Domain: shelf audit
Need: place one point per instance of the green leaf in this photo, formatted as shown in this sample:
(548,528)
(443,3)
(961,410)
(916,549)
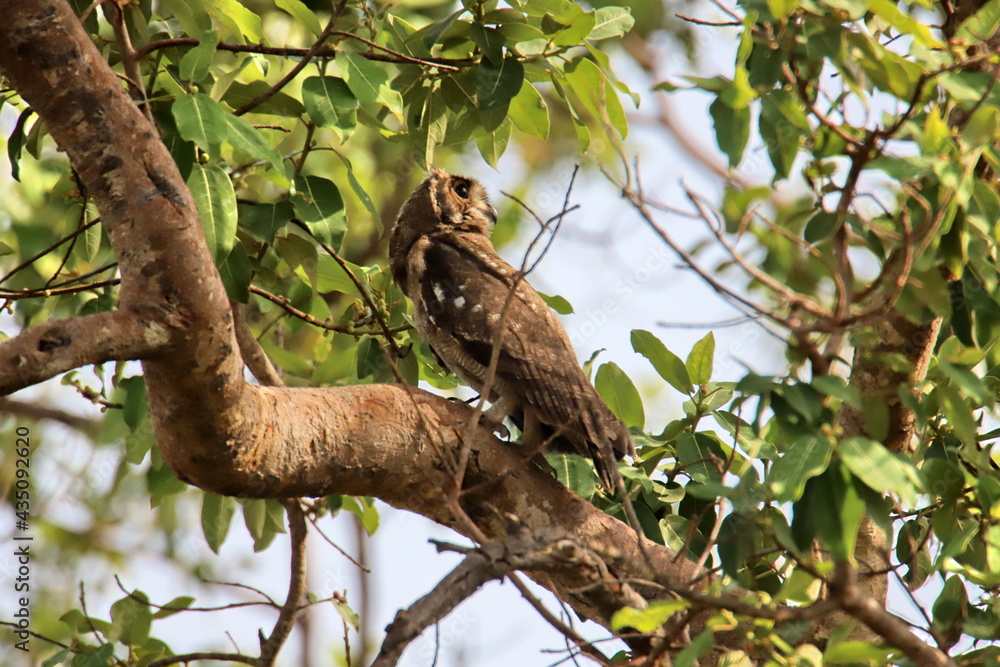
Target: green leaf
(348,614)
(700,646)
(880,469)
(302,14)
(235,271)
(254,516)
(216,201)
(369,82)
(698,453)
(202,120)
(943,478)
(905,23)
(853,652)
(667,364)
(701,360)
(216,517)
(557,303)
(573,32)
(136,406)
(364,509)
(433,126)
(492,145)
(264,220)
(821,227)
(61,656)
(834,386)
(161,482)
(16,142)
(738,93)
(247,138)
(329,102)
(981,127)
(196,62)
(678,535)
(288,361)
(951,606)
(575,472)
(805,459)
(498,83)
(649,619)
(981,26)
(839,529)
(855,8)
(317,202)
(611,22)
(529,112)
(139,441)
(102,657)
(732,129)
(559,10)
(590,85)
(755,447)
(238,19)
(490,40)
(968,382)
(434,31)
(175,606)
(620,394)
(362,194)
(783,123)
(131,619)
(280,103)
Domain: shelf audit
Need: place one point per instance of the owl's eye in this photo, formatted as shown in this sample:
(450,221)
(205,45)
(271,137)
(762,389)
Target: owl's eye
(462,189)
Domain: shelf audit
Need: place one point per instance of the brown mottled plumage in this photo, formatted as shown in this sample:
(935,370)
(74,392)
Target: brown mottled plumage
(441,256)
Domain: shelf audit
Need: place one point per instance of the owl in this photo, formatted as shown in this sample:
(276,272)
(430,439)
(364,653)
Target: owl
(441,257)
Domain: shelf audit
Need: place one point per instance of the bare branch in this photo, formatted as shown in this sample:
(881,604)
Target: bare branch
(495,560)
(296,585)
(253,354)
(299,66)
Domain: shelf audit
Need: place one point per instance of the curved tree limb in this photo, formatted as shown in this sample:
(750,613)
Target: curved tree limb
(212,428)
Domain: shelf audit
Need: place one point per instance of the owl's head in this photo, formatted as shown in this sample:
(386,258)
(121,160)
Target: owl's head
(442,202)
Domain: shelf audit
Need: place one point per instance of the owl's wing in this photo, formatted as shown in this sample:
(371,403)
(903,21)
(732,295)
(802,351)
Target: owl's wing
(464,289)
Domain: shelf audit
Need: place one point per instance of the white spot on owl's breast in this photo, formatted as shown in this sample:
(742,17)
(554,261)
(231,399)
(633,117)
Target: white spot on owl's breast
(459,302)
(438,291)
(477,308)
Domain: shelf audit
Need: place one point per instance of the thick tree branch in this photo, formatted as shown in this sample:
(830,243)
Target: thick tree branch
(48,349)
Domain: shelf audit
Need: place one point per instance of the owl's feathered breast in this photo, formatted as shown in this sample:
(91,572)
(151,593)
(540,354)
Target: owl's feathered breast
(460,300)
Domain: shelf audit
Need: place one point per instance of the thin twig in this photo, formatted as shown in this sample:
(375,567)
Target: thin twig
(716,24)
(283,303)
(299,66)
(296,584)
(448,64)
(31,260)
